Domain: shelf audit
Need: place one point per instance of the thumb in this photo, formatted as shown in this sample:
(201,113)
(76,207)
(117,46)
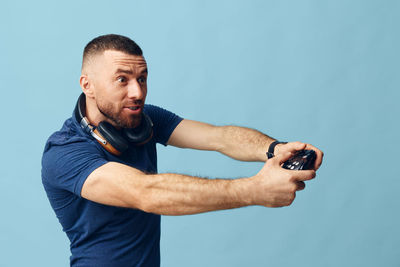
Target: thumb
(295,146)
(281,158)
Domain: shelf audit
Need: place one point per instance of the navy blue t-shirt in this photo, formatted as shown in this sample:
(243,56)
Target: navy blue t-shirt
(103,235)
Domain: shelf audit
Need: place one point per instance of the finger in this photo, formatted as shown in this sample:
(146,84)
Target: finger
(320,157)
(281,158)
(303,175)
(294,146)
(300,185)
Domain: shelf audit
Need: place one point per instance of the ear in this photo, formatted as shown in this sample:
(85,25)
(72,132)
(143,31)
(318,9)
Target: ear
(86,86)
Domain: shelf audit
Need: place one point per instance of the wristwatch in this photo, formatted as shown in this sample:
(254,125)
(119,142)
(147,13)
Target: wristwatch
(270,153)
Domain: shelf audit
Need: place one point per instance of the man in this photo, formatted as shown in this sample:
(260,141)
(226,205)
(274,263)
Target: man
(100,170)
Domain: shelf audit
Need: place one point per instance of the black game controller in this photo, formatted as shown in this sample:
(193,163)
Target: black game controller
(302,160)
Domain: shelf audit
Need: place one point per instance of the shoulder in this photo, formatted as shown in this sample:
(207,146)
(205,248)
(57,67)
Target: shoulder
(151,109)
(67,133)
(164,122)
(159,113)
(66,146)
(161,117)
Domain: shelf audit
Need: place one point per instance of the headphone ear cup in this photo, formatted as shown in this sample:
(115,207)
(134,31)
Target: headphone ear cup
(113,137)
(141,134)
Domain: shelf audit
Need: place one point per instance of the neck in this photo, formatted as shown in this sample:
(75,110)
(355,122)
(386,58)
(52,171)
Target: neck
(93,114)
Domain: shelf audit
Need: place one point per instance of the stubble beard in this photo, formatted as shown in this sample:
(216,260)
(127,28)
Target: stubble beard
(116,119)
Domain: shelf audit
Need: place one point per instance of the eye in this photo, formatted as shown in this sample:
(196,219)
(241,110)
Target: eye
(122,79)
(142,79)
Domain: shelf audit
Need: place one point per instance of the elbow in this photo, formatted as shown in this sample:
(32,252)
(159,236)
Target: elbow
(219,142)
(153,204)
(144,200)
(146,205)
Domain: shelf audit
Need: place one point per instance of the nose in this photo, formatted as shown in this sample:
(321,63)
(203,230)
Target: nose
(135,91)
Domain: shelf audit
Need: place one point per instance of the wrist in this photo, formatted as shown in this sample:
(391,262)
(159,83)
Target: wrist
(278,148)
(244,191)
(272,147)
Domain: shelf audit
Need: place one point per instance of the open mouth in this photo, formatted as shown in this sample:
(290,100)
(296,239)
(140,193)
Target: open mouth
(134,108)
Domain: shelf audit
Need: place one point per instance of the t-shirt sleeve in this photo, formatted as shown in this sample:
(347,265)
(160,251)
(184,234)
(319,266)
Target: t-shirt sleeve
(164,123)
(67,166)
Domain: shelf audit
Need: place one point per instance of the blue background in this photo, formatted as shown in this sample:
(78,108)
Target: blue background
(323,72)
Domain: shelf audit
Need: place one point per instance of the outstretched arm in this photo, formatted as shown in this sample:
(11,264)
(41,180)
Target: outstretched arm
(176,194)
(236,142)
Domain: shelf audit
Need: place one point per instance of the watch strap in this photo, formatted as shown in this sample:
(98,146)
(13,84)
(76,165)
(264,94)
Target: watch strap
(271,148)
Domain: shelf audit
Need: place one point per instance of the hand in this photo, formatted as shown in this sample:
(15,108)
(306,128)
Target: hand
(296,146)
(275,186)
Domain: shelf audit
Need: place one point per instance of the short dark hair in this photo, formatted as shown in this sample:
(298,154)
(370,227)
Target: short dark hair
(110,42)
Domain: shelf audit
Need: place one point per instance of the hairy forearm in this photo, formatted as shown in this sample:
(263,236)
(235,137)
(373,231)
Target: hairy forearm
(244,144)
(120,185)
(177,194)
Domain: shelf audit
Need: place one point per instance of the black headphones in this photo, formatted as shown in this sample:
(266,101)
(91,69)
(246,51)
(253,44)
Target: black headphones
(113,140)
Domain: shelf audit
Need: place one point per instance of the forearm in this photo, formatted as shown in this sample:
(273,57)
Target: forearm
(120,185)
(244,144)
(177,194)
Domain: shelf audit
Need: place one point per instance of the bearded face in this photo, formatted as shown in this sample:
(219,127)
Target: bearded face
(118,88)
(116,116)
